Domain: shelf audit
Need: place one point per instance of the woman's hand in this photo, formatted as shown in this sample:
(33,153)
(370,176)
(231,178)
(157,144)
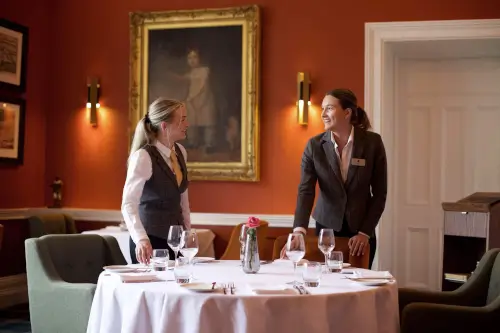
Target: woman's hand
(357,244)
(294,245)
(143,251)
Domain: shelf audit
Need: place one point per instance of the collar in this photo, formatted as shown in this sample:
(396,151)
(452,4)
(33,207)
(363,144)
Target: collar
(351,137)
(163,149)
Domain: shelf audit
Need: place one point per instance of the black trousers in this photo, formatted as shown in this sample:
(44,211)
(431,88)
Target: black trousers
(346,232)
(156,243)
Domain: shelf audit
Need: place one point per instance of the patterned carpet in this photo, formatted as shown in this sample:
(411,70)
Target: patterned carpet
(15,320)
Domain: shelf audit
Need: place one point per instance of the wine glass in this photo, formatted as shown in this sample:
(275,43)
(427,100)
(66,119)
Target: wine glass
(174,238)
(243,240)
(295,251)
(326,243)
(190,245)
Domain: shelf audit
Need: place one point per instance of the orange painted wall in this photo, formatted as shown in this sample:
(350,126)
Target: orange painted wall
(91,37)
(25,185)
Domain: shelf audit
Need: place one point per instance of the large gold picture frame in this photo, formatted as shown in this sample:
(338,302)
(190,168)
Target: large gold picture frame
(210,59)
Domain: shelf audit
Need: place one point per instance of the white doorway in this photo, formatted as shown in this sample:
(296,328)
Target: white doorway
(432,90)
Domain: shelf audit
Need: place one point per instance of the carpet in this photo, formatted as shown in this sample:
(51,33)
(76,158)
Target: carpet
(15,326)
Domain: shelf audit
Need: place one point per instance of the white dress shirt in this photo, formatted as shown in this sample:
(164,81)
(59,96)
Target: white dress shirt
(344,163)
(140,169)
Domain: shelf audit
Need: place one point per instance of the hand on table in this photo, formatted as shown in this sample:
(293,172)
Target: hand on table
(143,251)
(357,245)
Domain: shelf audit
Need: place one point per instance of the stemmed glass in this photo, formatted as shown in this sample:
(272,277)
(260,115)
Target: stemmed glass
(326,243)
(175,238)
(243,240)
(189,244)
(295,251)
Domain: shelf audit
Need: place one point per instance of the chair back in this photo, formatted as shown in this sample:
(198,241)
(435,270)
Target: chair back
(494,285)
(232,251)
(54,223)
(72,258)
(314,254)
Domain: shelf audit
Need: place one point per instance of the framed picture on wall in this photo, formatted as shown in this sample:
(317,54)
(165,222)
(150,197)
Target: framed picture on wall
(13,55)
(12,122)
(209,59)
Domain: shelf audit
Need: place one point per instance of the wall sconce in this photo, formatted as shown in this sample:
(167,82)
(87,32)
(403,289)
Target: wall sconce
(93,94)
(304,97)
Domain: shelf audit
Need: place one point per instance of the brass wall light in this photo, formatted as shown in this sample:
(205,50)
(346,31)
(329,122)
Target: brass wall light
(304,97)
(93,94)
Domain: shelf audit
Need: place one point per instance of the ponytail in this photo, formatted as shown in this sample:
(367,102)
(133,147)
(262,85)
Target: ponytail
(359,119)
(144,134)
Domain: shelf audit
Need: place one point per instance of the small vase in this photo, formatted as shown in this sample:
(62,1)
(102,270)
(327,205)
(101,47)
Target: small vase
(251,260)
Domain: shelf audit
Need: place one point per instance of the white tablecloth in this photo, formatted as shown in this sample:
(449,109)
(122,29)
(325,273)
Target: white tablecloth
(338,305)
(205,240)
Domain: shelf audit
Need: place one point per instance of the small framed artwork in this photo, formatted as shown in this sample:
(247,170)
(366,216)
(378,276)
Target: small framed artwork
(12,120)
(13,55)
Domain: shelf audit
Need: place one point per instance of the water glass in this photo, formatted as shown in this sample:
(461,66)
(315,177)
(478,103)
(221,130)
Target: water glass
(335,262)
(159,260)
(311,274)
(182,270)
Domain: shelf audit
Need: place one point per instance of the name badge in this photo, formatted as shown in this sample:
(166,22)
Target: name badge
(358,161)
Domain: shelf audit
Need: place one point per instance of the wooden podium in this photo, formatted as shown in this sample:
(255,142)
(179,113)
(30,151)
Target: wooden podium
(471,227)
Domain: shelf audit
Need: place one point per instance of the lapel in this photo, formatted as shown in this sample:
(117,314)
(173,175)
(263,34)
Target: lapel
(357,152)
(163,164)
(331,156)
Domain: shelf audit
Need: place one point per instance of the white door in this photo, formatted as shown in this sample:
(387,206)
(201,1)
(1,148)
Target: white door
(447,146)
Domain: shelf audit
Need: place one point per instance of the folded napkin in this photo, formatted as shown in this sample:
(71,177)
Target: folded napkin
(277,291)
(136,277)
(359,274)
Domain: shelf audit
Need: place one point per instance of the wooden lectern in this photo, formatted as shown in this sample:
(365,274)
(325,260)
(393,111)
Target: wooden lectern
(471,227)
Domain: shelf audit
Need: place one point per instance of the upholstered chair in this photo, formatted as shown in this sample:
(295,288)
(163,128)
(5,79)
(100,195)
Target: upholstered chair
(232,251)
(473,307)
(54,223)
(62,272)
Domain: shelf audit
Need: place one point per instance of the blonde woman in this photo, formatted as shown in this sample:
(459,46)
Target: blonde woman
(155,194)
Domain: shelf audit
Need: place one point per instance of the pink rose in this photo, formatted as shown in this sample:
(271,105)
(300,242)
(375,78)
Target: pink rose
(253,222)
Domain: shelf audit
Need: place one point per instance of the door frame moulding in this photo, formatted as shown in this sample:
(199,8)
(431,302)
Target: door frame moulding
(380,101)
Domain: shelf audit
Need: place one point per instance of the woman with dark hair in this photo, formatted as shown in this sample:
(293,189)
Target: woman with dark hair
(350,165)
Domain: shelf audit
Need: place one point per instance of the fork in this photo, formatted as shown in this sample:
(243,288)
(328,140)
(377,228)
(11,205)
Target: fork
(231,287)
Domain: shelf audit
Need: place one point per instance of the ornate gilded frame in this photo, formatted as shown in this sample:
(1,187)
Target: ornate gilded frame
(247,169)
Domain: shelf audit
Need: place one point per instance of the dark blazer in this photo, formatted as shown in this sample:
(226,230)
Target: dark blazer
(360,200)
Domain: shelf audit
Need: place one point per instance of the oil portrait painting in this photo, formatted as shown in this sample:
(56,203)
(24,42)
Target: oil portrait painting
(209,59)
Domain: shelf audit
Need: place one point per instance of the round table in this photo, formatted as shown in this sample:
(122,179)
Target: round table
(338,305)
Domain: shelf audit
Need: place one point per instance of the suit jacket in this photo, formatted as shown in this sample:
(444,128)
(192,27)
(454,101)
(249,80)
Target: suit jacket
(360,200)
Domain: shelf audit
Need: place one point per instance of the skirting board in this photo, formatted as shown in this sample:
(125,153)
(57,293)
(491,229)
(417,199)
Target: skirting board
(13,290)
(104,215)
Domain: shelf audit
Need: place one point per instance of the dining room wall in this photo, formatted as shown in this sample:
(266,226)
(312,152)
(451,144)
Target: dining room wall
(72,40)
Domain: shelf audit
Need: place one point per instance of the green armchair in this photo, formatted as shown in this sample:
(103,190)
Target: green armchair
(474,307)
(62,273)
(53,223)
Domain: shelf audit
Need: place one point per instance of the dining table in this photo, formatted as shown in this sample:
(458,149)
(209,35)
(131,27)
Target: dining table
(267,301)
